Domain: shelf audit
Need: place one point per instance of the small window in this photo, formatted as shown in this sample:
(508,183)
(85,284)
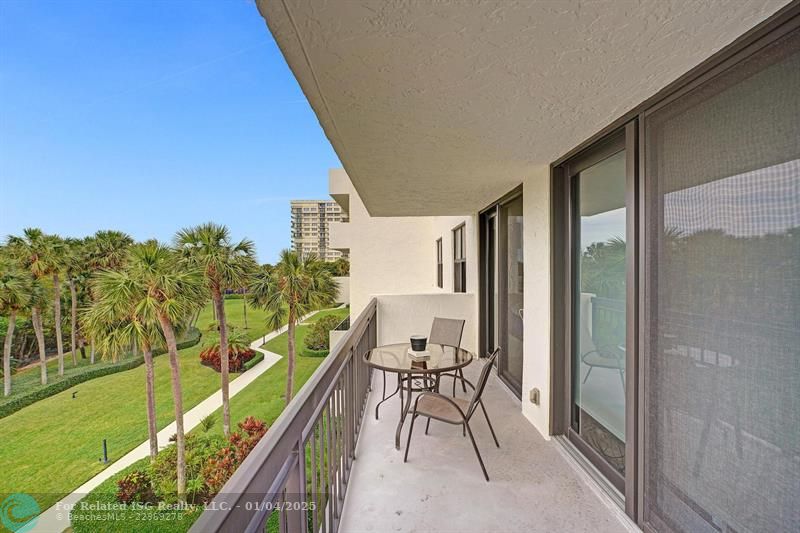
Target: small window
(459,260)
(439,264)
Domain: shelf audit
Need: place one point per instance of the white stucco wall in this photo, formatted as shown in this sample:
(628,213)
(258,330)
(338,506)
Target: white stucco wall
(394,259)
(403,315)
(343,295)
(536,238)
(397,255)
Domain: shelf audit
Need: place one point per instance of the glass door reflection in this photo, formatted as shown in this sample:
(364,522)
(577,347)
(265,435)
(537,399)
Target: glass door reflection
(598,302)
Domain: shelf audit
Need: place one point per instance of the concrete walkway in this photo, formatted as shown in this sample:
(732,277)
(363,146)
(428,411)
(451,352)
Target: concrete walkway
(56,518)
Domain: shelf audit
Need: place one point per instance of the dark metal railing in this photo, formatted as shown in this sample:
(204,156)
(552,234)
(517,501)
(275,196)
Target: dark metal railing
(344,325)
(296,478)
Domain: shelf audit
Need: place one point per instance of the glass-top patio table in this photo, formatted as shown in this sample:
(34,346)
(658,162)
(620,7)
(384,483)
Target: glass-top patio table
(395,358)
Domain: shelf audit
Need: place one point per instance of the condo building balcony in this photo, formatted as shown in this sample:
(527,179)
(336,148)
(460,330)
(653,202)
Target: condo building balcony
(329,441)
(606,192)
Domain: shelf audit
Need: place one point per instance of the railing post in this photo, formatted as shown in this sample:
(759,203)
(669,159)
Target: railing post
(295,493)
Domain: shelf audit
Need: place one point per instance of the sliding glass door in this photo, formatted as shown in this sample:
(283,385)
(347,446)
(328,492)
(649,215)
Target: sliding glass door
(502,284)
(676,299)
(510,307)
(722,439)
(598,290)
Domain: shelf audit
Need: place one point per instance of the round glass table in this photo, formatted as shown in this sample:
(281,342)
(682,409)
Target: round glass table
(395,358)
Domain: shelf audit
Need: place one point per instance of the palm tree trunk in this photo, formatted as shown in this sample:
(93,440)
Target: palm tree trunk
(290,360)
(219,306)
(91,352)
(57,311)
(12,322)
(38,329)
(244,301)
(152,429)
(23,346)
(177,397)
(73,294)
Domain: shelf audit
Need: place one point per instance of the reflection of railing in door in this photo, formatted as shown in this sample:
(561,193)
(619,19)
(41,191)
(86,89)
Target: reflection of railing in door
(606,346)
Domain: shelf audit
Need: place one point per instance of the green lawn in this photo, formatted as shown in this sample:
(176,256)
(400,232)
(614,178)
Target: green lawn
(234,315)
(51,447)
(28,380)
(263,398)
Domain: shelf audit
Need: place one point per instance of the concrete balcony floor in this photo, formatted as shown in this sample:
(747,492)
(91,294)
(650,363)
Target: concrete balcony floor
(533,488)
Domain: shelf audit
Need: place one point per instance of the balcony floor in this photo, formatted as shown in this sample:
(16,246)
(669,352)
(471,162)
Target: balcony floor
(441,488)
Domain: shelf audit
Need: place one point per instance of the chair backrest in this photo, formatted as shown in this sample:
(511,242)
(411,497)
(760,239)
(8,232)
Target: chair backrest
(481,383)
(446,331)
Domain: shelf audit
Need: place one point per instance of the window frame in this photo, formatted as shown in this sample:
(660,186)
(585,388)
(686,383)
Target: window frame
(460,260)
(439,263)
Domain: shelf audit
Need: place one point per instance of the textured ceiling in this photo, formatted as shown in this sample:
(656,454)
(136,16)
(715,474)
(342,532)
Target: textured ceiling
(439,108)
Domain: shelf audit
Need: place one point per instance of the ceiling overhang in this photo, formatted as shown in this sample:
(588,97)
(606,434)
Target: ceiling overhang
(439,108)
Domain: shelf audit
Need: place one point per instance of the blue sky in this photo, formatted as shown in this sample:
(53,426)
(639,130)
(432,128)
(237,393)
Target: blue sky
(152,116)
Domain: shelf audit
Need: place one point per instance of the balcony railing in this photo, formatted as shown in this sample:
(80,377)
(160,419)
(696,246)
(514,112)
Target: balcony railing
(295,479)
(344,325)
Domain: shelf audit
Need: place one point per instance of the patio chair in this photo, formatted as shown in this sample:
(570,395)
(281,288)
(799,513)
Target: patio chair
(448,332)
(604,356)
(455,411)
(445,332)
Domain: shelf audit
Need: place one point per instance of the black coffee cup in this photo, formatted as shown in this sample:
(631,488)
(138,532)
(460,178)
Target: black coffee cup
(418,343)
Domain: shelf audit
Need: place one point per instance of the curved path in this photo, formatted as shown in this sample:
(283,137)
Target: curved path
(56,518)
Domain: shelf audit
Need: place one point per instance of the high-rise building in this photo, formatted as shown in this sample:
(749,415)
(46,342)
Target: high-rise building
(311,230)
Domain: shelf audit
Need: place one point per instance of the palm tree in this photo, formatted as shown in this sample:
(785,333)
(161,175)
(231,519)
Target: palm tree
(42,255)
(224,264)
(75,271)
(106,249)
(116,324)
(156,290)
(15,293)
(289,290)
(39,300)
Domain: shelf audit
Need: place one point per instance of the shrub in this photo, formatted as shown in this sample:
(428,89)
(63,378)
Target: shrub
(14,365)
(220,468)
(253,362)
(199,448)
(208,422)
(134,517)
(318,337)
(315,353)
(135,487)
(236,358)
(234,296)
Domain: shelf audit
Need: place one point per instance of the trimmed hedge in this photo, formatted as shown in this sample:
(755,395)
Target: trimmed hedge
(308,352)
(41,393)
(234,296)
(253,362)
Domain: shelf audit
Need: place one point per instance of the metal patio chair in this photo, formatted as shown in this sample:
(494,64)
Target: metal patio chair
(445,332)
(448,332)
(455,411)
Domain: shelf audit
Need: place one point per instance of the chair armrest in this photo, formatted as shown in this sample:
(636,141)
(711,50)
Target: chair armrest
(442,396)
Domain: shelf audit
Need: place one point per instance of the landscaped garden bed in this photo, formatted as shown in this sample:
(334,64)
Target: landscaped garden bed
(143,497)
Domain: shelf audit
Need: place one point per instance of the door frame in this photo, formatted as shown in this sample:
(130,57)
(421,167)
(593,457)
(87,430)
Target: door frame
(564,330)
(487,300)
(775,27)
(500,279)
